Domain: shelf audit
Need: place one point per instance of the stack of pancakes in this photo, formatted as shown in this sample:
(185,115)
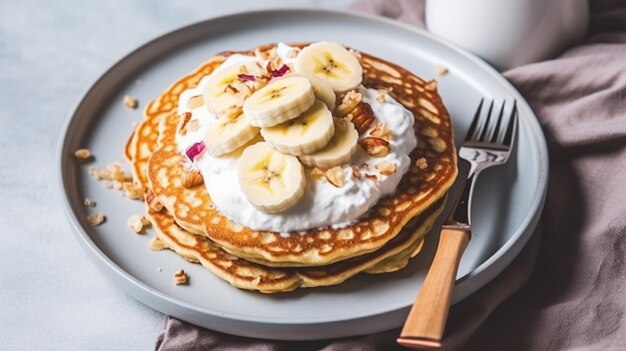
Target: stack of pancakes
(382,240)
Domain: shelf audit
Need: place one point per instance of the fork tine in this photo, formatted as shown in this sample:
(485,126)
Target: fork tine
(472,128)
(493,133)
(485,125)
(511,128)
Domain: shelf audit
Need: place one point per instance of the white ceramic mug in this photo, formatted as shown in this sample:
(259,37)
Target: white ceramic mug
(509,33)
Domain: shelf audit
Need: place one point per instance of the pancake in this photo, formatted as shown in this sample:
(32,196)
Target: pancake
(419,188)
(252,276)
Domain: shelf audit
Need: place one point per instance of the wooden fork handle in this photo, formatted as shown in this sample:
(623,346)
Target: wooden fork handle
(426,322)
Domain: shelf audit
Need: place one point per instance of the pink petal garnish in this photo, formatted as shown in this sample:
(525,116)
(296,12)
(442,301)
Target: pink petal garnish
(280,72)
(195,150)
(246,77)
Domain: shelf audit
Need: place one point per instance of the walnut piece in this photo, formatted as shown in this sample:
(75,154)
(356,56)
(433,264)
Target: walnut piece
(95,219)
(381,130)
(375,146)
(421,163)
(180,277)
(348,103)
(441,70)
(156,244)
(362,116)
(153,202)
(335,176)
(191,179)
(371,177)
(89,202)
(386,168)
(83,155)
(137,223)
(382,97)
(356,172)
(317,174)
(130,101)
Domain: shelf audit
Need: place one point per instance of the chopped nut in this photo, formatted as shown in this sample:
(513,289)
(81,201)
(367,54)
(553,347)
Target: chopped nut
(153,202)
(317,174)
(381,98)
(183,123)
(180,277)
(421,163)
(191,178)
(156,244)
(231,89)
(441,70)
(89,202)
(95,219)
(293,53)
(348,103)
(137,223)
(133,191)
(193,125)
(374,146)
(431,85)
(117,185)
(364,165)
(362,117)
(381,131)
(356,172)
(371,177)
(335,176)
(130,102)
(386,167)
(83,155)
(197,101)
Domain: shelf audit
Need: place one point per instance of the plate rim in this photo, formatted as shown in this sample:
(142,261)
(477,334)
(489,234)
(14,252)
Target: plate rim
(497,261)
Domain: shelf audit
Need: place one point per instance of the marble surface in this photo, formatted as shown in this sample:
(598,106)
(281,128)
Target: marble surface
(51,295)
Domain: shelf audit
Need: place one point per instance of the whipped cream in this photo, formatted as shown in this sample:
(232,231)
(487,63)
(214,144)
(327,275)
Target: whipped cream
(322,204)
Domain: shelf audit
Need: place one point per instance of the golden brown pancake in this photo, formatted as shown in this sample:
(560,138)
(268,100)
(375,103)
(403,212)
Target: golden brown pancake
(418,190)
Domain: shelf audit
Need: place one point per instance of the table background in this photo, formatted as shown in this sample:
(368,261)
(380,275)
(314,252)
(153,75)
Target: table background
(51,295)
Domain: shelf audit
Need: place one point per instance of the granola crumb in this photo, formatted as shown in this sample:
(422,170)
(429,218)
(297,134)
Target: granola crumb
(131,102)
(421,163)
(137,223)
(180,277)
(95,219)
(89,202)
(317,174)
(371,177)
(156,244)
(441,70)
(381,98)
(133,191)
(108,184)
(356,172)
(335,176)
(83,155)
(386,168)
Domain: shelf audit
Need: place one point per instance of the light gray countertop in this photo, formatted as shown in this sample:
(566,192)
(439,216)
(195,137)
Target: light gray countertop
(51,295)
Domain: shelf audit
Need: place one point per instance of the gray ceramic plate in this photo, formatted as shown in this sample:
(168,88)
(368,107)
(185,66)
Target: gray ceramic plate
(508,199)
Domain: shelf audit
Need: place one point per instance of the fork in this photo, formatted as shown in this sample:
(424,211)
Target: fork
(488,143)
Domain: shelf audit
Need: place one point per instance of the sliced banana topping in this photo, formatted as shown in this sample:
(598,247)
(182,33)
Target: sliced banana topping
(228,134)
(271,181)
(305,134)
(321,89)
(224,92)
(339,149)
(332,63)
(279,101)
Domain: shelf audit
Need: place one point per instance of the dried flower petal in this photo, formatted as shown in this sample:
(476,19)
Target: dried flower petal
(195,150)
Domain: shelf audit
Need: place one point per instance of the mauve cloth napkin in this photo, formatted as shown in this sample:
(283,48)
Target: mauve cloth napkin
(567,289)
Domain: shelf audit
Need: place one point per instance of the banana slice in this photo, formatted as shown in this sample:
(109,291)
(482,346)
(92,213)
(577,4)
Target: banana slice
(321,89)
(270,180)
(279,101)
(332,63)
(228,134)
(338,150)
(305,134)
(220,94)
